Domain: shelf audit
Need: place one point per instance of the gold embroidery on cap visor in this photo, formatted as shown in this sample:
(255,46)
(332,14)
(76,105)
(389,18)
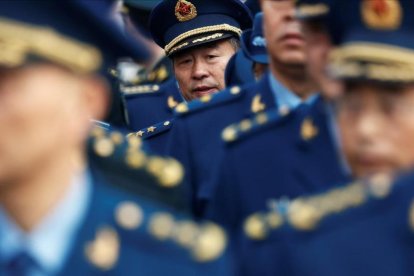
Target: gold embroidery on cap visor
(304,11)
(373,61)
(174,44)
(381,14)
(18,41)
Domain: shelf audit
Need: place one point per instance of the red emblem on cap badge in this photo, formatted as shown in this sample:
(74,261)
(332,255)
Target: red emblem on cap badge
(185,10)
(382,14)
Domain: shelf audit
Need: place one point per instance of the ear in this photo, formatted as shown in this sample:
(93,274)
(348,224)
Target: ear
(97,97)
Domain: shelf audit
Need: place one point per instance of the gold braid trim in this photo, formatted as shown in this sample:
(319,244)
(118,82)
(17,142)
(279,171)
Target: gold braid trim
(379,72)
(374,52)
(383,62)
(202,30)
(18,40)
(312,10)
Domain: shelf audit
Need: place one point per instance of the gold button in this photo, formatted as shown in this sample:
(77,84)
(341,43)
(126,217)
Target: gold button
(210,243)
(255,227)
(104,147)
(235,90)
(135,159)
(129,215)
(229,134)
(161,226)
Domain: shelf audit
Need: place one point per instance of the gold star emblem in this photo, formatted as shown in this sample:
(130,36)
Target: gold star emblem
(140,133)
(151,129)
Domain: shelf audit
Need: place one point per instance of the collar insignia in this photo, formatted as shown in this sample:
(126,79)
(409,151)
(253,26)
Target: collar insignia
(257,105)
(308,130)
(382,14)
(185,10)
(171,102)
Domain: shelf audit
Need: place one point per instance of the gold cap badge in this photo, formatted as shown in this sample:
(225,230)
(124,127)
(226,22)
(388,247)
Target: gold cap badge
(382,14)
(185,10)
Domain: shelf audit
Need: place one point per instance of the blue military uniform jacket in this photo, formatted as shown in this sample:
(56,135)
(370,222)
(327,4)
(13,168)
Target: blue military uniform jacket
(147,104)
(273,156)
(357,229)
(195,139)
(120,236)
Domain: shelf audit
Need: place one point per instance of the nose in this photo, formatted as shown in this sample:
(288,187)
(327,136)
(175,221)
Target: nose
(289,13)
(199,71)
(368,126)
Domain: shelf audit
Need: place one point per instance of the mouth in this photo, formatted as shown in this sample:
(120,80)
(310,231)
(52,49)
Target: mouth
(204,90)
(293,39)
(372,164)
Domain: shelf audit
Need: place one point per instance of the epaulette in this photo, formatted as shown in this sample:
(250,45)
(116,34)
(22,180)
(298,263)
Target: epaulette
(153,130)
(242,129)
(129,90)
(305,213)
(208,101)
(127,150)
(204,241)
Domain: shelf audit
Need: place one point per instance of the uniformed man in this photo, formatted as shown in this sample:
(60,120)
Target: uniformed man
(268,147)
(196,134)
(339,232)
(57,215)
(200,37)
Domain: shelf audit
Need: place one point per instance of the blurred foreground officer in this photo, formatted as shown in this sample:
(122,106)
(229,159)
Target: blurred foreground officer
(57,216)
(340,232)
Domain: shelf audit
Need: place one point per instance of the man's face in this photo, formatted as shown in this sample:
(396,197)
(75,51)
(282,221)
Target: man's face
(41,113)
(318,45)
(376,128)
(200,71)
(285,44)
